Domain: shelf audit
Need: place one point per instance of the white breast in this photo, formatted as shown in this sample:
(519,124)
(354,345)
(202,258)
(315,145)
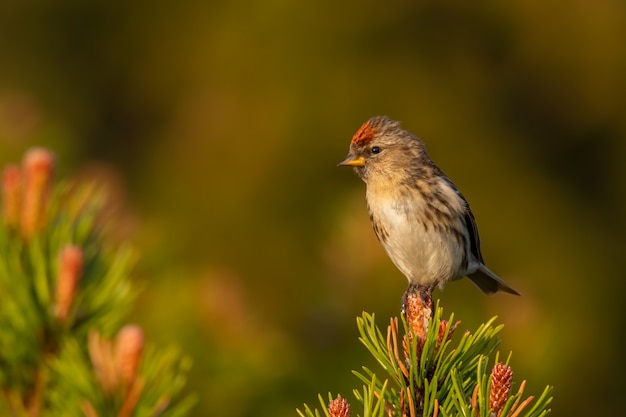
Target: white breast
(423,254)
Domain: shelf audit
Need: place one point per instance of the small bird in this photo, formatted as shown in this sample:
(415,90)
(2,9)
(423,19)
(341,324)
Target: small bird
(420,217)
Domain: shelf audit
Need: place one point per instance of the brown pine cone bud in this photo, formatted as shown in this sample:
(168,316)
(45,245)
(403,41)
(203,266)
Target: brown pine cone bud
(444,325)
(11,195)
(501,378)
(418,309)
(70,273)
(38,165)
(339,407)
(128,350)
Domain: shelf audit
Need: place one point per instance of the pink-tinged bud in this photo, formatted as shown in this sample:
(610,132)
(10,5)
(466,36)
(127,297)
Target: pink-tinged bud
(38,166)
(101,356)
(501,378)
(11,195)
(128,350)
(339,407)
(70,273)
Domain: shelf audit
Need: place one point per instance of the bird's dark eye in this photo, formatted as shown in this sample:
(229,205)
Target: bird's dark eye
(375,149)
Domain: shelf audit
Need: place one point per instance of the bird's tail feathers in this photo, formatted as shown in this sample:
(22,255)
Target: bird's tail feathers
(489,283)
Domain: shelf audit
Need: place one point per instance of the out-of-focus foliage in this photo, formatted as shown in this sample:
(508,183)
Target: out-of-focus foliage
(218,125)
(63,293)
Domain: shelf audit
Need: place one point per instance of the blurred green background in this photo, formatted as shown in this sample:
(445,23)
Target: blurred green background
(218,126)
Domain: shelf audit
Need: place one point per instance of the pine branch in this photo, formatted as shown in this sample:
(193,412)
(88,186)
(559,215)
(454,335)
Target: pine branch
(430,376)
(64,295)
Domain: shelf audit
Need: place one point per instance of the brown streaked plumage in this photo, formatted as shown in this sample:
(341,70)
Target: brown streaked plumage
(424,223)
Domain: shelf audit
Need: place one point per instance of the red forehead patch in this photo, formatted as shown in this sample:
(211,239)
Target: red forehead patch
(364,135)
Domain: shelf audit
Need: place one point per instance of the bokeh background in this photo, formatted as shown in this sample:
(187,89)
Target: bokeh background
(218,126)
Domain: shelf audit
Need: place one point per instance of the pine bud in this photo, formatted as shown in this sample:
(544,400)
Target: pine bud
(339,407)
(101,356)
(444,325)
(418,309)
(501,378)
(128,350)
(70,273)
(11,195)
(38,165)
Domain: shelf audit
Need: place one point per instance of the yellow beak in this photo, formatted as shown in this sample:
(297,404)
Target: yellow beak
(351,161)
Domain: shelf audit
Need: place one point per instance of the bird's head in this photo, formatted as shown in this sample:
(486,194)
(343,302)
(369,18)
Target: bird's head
(382,149)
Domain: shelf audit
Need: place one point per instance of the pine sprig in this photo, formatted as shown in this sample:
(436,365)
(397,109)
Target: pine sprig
(431,377)
(31,272)
(64,295)
(155,390)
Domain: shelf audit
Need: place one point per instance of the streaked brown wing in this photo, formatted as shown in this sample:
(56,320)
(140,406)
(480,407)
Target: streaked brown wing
(472,229)
(470,223)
